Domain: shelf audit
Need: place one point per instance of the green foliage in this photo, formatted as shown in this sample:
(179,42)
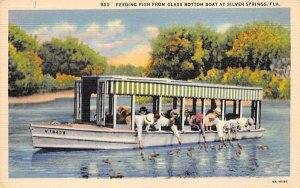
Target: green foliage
(49,84)
(258,44)
(65,81)
(285,88)
(126,70)
(182,52)
(25,73)
(214,76)
(71,57)
(20,40)
(274,86)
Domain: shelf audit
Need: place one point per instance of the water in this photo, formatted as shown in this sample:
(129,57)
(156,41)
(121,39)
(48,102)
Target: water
(27,162)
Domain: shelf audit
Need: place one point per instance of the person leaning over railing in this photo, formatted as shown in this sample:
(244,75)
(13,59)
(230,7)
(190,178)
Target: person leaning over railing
(196,124)
(212,119)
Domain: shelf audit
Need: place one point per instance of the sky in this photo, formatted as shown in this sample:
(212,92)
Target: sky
(123,35)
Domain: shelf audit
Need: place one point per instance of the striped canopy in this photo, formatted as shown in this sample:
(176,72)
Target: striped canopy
(173,88)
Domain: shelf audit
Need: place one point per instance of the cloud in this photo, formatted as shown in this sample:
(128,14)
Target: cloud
(223,28)
(115,26)
(108,38)
(90,32)
(138,56)
(58,30)
(152,30)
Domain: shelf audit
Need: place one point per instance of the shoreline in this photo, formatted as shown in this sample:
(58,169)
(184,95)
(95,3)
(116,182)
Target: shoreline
(41,97)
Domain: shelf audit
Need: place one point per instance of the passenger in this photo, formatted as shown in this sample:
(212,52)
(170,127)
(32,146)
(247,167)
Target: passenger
(244,124)
(212,119)
(234,125)
(159,121)
(141,121)
(163,113)
(213,107)
(196,124)
(121,115)
(221,126)
(174,113)
(175,130)
(187,116)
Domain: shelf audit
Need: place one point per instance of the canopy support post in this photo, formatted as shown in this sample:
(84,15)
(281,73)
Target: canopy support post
(175,103)
(203,106)
(223,109)
(182,112)
(159,105)
(194,106)
(257,114)
(78,101)
(114,111)
(132,111)
(234,108)
(241,108)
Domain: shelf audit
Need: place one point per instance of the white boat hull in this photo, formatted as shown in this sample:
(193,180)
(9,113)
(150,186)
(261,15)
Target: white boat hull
(81,136)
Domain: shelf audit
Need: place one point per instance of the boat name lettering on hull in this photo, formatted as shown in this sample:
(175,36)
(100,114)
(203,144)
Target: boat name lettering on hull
(54,131)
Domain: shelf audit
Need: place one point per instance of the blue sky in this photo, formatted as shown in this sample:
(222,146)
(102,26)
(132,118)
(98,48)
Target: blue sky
(123,35)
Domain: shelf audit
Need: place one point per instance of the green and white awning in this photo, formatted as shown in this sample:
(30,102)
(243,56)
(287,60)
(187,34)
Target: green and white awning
(174,88)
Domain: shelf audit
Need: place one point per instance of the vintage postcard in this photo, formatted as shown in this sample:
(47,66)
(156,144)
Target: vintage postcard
(150,93)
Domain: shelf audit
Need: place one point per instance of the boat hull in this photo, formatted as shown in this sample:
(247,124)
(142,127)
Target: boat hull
(81,136)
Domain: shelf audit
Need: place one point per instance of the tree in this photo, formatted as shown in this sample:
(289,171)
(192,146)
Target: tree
(178,53)
(258,44)
(25,73)
(70,57)
(20,40)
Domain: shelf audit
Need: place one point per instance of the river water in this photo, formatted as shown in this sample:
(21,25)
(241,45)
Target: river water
(27,162)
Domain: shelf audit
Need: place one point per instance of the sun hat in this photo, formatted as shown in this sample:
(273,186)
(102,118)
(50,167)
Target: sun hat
(250,121)
(217,110)
(172,120)
(149,118)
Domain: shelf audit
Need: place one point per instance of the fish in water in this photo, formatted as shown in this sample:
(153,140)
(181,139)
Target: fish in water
(238,152)
(143,156)
(154,154)
(171,152)
(107,161)
(200,147)
(220,147)
(239,145)
(189,153)
(262,146)
(177,151)
(212,146)
(151,158)
(190,149)
(116,175)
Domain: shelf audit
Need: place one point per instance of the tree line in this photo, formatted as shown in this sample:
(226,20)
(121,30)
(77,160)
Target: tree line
(255,54)
(53,65)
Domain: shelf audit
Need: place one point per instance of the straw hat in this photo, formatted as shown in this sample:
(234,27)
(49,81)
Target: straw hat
(149,118)
(217,110)
(172,120)
(250,121)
